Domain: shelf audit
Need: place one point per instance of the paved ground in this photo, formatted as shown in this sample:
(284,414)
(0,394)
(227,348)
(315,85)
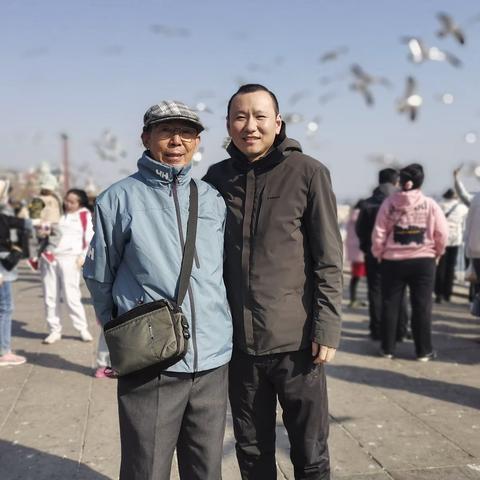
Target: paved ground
(397,419)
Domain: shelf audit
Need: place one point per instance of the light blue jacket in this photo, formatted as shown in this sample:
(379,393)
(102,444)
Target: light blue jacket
(136,254)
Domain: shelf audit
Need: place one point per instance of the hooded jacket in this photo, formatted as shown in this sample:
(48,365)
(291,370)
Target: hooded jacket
(283,267)
(409,225)
(136,253)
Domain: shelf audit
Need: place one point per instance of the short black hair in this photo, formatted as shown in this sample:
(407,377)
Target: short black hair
(82,196)
(251,88)
(388,175)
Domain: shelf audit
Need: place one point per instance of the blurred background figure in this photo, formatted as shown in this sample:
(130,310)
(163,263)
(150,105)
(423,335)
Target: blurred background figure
(387,184)
(10,254)
(354,255)
(410,232)
(48,208)
(472,234)
(61,271)
(455,212)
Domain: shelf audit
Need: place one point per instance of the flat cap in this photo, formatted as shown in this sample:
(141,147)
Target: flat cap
(171,110)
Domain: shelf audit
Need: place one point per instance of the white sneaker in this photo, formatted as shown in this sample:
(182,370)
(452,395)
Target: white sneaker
(86,336)
(52,338)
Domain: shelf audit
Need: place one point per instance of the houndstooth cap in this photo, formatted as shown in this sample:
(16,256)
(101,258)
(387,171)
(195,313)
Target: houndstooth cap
(171,110)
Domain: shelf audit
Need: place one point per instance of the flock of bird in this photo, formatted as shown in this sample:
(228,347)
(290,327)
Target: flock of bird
(359,81)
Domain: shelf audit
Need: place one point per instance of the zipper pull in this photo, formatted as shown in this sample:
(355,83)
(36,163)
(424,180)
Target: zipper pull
(151,330)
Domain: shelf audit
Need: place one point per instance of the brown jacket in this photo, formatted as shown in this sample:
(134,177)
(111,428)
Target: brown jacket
(283,268)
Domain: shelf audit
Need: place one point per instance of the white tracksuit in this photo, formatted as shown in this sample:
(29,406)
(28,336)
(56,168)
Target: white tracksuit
(62,277)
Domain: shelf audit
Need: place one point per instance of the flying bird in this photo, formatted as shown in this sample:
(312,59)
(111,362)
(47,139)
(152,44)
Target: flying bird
(411,101)
(449,27)
(420,52)
(108,147)
(297,96)
(292,118)
(363,81)
(332,55)
(167,31)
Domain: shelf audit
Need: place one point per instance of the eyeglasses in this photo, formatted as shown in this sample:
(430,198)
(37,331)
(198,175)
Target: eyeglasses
(165,132)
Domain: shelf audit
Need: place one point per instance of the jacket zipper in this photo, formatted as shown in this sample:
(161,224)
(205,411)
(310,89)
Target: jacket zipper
(189,290)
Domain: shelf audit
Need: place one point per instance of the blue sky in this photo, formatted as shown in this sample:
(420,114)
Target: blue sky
(83,66)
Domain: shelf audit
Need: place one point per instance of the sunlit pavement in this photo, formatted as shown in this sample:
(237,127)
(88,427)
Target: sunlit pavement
(390,419)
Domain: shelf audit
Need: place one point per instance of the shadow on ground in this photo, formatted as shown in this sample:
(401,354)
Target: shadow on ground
(51,360)
(448,392)
(19,462)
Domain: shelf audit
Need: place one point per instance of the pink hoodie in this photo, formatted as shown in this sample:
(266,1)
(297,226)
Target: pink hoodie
(409,225)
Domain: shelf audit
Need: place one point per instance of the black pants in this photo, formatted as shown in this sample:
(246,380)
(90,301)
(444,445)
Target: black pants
(419,275)
(186,411)
(374,284)
(446,273)
(255,382)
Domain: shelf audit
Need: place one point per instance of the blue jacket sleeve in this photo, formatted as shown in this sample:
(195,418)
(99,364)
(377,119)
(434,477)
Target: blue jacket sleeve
(101,263)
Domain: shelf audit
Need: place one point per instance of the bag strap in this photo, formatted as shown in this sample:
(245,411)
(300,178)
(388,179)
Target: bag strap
(189,249)
(451,210)
(83,221)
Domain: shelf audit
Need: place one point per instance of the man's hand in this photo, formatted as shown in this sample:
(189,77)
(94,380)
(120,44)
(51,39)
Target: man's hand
(322,353)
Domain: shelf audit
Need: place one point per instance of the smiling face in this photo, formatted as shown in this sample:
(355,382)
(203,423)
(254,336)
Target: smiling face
(172,142)
(253,123)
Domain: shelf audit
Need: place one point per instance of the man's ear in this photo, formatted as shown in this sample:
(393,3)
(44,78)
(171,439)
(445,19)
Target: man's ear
(145,136)
(197,142)
(227,121)
(278,124)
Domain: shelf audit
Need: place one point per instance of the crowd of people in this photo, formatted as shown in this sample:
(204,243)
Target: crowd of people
(407,239)
(261,305)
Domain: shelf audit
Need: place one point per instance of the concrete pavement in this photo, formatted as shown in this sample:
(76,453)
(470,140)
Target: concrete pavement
(390,419)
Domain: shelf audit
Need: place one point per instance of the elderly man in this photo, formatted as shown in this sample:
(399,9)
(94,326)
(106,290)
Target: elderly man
(283,274)
(134,258)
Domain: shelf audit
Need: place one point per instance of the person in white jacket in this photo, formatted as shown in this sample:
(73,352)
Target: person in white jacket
(472,233)
(455,212)
(61,271)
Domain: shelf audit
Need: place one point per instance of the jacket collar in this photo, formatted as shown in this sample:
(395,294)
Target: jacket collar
(157,174)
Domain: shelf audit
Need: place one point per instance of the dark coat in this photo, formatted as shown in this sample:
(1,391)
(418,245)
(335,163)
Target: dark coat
(7,223)
(366,219)
(283,268)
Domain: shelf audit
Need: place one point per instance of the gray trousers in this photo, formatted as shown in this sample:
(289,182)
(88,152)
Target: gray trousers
(158,413)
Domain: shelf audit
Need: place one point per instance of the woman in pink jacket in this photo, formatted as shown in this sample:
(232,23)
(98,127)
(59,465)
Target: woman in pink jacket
(410,233)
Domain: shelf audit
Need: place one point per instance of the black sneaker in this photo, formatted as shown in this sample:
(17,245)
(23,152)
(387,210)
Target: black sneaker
(428,357)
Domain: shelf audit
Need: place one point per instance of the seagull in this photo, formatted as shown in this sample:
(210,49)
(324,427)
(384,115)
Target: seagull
(449,27)
(384,159)
(326,97)
(420,52)
(197,156)
(297,96)
(167,31)
(411,101)
(364,77)
(312,126)
(446,98)
(332,55)
(364,90)
(292,118)
(108,147)
(202,107)
(363,81)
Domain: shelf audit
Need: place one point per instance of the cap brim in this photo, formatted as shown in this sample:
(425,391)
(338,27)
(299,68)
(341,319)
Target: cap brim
(197,125)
